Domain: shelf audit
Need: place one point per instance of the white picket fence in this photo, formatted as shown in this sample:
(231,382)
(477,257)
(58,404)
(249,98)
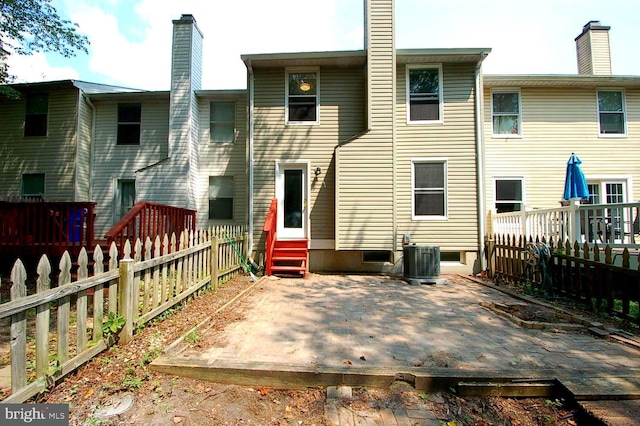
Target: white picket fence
(55,330)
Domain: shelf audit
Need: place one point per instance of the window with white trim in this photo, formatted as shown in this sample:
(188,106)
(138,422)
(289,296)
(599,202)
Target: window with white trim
(223,122)
(509,195)
(424,94)
(505,112)
(429,184)
(302,97)
(221,190)
(611,112)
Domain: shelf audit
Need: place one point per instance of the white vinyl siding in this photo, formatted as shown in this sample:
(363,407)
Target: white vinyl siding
(147,162)
(223,159)
(557,122)
(505,113)
(611,113)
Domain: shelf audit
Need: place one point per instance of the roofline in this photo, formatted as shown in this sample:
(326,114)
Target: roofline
(230,93)
(128,95)
(495,80)
(462,51)
(302,55)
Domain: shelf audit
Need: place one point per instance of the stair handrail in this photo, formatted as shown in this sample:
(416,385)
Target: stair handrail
(270,227)
(149,219)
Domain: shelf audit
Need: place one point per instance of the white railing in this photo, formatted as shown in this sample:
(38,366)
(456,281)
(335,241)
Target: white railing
(613,224)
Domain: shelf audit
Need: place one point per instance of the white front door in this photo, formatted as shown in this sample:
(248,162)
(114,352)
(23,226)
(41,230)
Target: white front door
(292,191)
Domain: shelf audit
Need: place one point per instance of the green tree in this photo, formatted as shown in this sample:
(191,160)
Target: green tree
(28,26)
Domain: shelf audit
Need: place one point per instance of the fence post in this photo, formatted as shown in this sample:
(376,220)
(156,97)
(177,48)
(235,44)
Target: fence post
(523,222)
(490,245)
(214,261)
(126,299)
(574,220)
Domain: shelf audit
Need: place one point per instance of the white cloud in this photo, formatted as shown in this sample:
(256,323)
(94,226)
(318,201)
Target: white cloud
(35,68)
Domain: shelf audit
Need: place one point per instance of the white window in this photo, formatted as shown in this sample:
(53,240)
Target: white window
(302,97)
(424,94)
(223,122)
(509,195)
(221,190)
(505,113)
(429,183)
(611,112)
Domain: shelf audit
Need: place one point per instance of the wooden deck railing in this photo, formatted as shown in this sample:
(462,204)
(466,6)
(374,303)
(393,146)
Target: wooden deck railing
(270,226)
(147,219)
(33,227)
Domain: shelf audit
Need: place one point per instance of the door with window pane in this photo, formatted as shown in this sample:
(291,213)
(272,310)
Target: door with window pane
(125,198)
(291,192)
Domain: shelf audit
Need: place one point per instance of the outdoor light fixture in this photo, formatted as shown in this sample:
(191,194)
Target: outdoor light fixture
(305,87)
(317,171)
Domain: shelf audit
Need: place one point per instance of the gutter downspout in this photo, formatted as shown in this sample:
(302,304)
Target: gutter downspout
(92,141)
(250,148)
(480,162)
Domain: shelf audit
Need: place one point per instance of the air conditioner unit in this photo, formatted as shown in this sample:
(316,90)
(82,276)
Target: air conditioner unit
(422,264)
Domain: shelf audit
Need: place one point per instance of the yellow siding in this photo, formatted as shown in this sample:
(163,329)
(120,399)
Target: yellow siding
(555,123)
(341,116)
(453,140)
(583,48)
(53,155)
(364,210)
(601,53)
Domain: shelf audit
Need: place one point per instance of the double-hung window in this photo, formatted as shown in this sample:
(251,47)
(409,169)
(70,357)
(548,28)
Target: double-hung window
(424,94)
(129,117)
(35,119)
(223,121)
(509,195)
(505,113)
(611,112)
(429,181)
(302,97)
(221,190)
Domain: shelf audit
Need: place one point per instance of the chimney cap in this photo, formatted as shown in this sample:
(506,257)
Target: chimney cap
(185,18)
(592,25)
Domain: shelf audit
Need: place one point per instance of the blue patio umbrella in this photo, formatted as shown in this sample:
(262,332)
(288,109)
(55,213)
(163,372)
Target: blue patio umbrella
(575,184)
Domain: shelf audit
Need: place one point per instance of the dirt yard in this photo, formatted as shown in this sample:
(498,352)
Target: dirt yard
(117,388)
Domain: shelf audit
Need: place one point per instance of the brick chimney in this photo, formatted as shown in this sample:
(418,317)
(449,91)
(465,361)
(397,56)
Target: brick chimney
(592,46)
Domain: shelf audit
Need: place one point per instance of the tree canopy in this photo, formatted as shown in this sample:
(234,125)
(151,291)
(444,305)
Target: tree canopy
(28,26)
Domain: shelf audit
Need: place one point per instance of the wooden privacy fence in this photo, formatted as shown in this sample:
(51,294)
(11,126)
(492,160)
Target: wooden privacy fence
(605,279)
(55,330)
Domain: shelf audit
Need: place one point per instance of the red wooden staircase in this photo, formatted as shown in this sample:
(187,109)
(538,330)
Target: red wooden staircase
(284,257)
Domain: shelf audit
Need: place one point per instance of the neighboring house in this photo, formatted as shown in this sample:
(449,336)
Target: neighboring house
(45,140)
(532,124)
(361,149)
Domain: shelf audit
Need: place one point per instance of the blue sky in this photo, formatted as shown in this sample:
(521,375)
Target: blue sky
(131,39)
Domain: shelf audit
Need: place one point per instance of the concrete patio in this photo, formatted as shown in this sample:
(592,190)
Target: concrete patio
(354,330)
